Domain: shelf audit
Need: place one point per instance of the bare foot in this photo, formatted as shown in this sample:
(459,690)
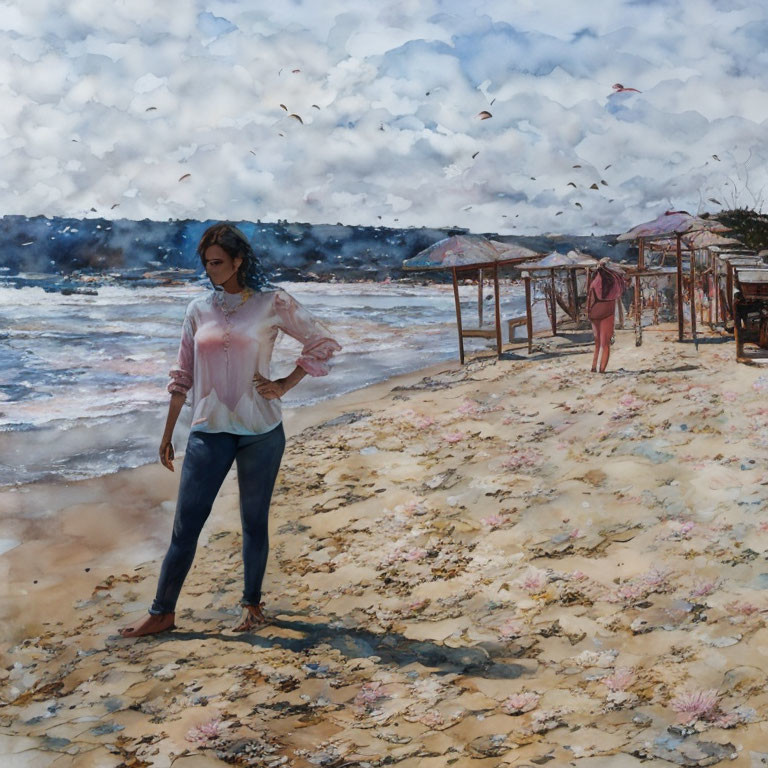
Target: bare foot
(151,624)
(252,617)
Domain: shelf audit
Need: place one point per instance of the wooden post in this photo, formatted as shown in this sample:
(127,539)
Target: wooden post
(498,313)
(528,313)
(638,313)
(640,254)
(480,299)
(679,289)
(554,304)
(729,289)
(458,315)
(692,258)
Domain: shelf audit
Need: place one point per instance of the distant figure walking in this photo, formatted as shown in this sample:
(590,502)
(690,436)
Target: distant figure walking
(606,287)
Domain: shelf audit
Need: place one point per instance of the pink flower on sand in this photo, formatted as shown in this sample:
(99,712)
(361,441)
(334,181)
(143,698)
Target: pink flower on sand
(510,629)
(418,605)
(493,521)
(520,702)
(630,592)
(468,407)
(432,719)
(657,578)
(423,422)
(704,588)
(692,705)
(534,581)
(620,680)
(205,732)
(730,396)
(369,694)
(578,575)
(416,554)
(741,609)
(454,437)
(630,401)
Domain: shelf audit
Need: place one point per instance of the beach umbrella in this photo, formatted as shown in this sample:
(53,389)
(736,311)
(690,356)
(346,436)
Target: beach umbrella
(671,223)
(466,251)
(563,260)
(705,238)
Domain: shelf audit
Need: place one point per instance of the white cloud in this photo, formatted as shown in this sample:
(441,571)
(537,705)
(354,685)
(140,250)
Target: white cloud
(107,102)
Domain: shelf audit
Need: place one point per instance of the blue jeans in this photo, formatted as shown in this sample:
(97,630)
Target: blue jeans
(208,458)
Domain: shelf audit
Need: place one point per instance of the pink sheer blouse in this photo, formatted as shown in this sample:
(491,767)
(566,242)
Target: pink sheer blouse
(225,341)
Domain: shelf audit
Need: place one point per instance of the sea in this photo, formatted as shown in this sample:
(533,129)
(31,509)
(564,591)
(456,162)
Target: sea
(83,377)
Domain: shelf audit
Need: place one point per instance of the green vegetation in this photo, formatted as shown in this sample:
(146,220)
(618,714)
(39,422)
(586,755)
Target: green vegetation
(748,225)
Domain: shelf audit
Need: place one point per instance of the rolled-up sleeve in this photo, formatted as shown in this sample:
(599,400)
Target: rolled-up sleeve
(182,372)
(302,325)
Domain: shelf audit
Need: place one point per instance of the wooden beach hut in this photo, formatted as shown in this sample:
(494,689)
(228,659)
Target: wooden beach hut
(467,256)
(671,225)
(548,271)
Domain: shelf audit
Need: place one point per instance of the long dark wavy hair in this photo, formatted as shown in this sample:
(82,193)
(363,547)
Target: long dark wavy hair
(607,280)
(230,239)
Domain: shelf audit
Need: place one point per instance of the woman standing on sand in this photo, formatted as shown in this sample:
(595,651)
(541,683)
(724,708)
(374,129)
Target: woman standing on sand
(226,346)
(605,289)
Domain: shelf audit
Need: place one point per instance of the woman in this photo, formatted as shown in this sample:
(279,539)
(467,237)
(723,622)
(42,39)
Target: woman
(606,287)
(227,340)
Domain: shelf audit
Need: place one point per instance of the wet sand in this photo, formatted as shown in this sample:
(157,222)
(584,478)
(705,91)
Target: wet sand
(515,563)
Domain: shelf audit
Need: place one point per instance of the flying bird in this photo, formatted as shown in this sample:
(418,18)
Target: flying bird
(476,154)
(716,158)
(604,182)
(492,100)
(296,117)
(484,115)
(607,166)
(594,186)
(714,200)
(284,107)
(114,206)
(315,106)
(185,176)
(619,88)
(578,204)
(150,109)
(533,178)
(558,213)
(571,184)
(294,71)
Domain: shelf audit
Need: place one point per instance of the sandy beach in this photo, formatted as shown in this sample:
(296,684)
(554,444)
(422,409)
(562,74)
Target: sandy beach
(511,563)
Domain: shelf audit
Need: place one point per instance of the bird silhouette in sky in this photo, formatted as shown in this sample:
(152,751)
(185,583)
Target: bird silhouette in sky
(619,88)
(484,115)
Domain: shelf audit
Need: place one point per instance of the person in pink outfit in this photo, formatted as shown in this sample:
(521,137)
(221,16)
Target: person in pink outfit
(605,289)
(224,358)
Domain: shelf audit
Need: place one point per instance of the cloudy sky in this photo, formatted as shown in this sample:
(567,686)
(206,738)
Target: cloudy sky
(364,112)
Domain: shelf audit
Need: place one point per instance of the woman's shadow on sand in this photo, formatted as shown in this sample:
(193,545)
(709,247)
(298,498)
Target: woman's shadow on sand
(487,659)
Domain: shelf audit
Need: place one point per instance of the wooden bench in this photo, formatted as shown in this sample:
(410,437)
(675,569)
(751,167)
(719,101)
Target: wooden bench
(514,322)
